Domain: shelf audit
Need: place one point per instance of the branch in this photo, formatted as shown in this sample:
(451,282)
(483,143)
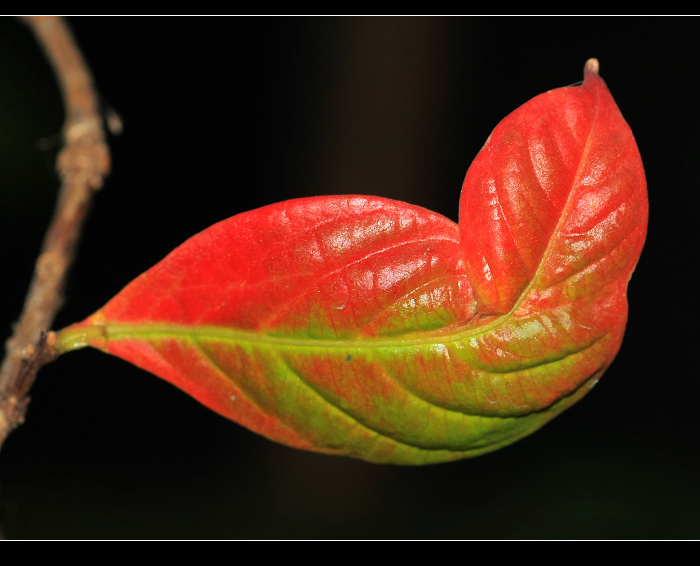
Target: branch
(82,165)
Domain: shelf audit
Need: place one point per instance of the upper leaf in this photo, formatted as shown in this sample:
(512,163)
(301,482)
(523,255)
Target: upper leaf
(558,186)
(373,328)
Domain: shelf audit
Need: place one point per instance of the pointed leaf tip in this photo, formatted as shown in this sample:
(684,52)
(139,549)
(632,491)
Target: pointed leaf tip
(592,66)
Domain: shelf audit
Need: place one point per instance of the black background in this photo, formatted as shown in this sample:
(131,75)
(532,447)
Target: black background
(222,115)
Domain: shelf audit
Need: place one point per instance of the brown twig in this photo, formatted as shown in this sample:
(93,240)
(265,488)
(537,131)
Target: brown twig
(83,164)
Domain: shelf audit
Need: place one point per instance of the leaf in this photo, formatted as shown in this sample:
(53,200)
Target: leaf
(376,329)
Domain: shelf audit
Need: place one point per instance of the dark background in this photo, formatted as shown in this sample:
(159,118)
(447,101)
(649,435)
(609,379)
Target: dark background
(222,115)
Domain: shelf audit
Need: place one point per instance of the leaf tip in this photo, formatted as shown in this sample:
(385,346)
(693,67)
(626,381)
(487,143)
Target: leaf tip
(592,66)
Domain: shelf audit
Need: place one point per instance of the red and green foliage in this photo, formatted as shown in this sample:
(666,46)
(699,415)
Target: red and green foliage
(372,328)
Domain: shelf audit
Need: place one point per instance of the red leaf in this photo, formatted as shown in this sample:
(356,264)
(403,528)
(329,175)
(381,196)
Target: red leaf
(368,327)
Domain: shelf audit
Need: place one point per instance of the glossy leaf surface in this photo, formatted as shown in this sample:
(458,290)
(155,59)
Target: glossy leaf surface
(376,329)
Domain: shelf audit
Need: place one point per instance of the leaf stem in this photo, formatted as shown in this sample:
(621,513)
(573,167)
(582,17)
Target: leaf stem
(76,337)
